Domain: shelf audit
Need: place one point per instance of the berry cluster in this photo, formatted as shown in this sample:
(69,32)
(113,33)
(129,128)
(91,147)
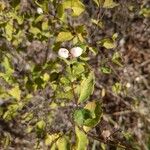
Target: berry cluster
(74,52)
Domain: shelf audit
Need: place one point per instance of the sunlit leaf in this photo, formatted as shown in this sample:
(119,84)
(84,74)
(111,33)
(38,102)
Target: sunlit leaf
(76,5)
(7,65)
(9,30)
(64,36)
(41,124)
(45,25)
(62,143)
(110,4)
(86,87)
(34,30)
(50,138)
(78,69)
(82,139)
(109,44)
(46,77)
(15,92)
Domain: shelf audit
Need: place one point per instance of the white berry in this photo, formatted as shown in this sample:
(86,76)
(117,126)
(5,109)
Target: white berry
(63,52)
(39,10)
(76,51)
(128,85)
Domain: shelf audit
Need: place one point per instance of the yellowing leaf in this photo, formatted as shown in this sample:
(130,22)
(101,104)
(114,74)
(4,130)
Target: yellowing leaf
(64,36)
(76,5)
(98,23)
(9,30)
(86,88)
(110,4)
(96,1)
(145,12)
(7,66)
(46,77)
(50,138)
(15,92)
(45,25)
(41,125)
(2,6)
(99,2)
(62,143)
(82,140)
(34,30)
(108,44)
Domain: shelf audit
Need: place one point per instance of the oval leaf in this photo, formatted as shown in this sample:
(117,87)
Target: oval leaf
(96,112)
(86,88)
(64,36)
(82,140)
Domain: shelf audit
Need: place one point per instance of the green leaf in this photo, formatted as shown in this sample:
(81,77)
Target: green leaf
(81,115)
(19,18)
(64,81)
(116,59)
(96,112)
(86,88)
(40,128)
(105,70)
(12,111)
(61,94)
(82,140)
(64,36)
(78,69)
(89,116)
(110,4)
(39,19)
(116,88)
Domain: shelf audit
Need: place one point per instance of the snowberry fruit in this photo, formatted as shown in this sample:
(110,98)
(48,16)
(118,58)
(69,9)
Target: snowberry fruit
(39,10)
(76,51)
(63,52)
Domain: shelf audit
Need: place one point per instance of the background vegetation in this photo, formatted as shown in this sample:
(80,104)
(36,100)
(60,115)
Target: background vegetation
(97,101)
